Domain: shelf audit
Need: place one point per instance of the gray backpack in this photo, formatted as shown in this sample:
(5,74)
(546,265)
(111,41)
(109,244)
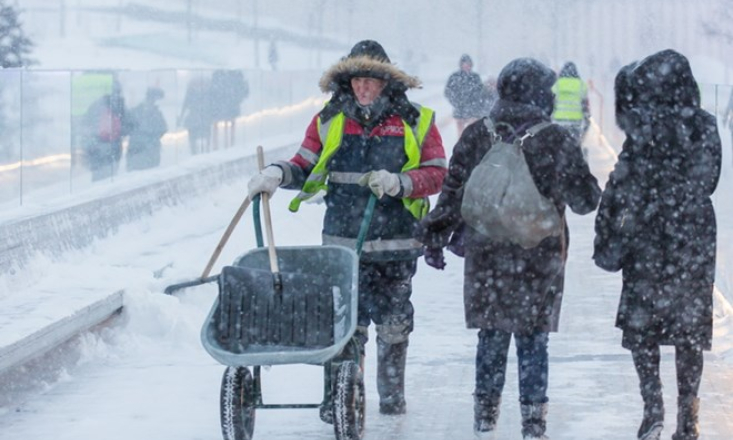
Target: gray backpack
(501,200)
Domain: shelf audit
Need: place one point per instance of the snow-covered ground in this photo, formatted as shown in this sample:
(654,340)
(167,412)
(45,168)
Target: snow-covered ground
(145,375)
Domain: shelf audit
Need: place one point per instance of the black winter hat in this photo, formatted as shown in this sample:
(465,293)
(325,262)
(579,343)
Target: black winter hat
(371,49)
(527,81)
(465,58)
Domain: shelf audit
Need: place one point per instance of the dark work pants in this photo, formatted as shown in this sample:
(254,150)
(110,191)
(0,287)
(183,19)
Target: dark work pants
(385,289)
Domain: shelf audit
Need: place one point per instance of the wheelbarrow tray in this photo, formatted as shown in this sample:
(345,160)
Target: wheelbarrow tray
(248,320)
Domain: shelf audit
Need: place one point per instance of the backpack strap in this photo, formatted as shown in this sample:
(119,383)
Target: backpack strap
(530,132)
(492,129)
(533,130)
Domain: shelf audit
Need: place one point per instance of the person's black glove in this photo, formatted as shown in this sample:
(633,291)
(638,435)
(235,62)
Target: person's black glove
(457,244)
(434,257)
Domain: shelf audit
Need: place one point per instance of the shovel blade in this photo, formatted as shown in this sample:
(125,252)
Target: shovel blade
(253,311)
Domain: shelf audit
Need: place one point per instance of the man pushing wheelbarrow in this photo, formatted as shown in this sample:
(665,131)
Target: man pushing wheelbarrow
(369,138)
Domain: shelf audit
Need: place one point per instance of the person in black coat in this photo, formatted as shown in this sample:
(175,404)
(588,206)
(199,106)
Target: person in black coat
(196,114)
(466,93)
(143,149)
(229,89)
(509,290)
(656,224)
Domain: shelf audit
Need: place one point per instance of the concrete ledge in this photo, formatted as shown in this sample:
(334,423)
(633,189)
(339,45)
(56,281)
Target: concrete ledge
(35,344)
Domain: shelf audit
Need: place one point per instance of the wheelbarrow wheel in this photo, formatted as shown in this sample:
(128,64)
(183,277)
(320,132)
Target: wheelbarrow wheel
(237,404)
(349,402)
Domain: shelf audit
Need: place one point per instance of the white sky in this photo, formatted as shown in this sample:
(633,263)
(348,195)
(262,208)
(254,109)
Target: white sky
(148,377)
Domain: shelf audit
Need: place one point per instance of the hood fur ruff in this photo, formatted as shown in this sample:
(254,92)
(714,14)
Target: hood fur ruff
(339,75)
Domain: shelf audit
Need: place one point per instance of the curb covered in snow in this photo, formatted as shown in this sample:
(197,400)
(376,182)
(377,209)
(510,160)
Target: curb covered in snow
(56,333)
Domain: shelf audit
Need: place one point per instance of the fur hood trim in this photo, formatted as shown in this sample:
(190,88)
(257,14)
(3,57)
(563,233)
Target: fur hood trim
(338,76)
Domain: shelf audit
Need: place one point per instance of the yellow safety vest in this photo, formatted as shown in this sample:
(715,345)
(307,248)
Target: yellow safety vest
(331,134)
(569,94)
(87,88)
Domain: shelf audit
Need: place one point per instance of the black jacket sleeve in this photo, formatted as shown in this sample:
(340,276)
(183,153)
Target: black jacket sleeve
(436,229)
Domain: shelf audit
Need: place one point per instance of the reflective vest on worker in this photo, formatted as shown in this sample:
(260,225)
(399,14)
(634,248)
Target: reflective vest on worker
(569,94)
(331,134)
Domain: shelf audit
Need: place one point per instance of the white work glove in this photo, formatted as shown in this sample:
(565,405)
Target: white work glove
(266,181)
(381,182)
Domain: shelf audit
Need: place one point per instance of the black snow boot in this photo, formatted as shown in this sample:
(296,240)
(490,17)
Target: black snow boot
(687,418)
(391,359)
(325,409)
(653,421)
(646,362)
(485,414)
(534,421)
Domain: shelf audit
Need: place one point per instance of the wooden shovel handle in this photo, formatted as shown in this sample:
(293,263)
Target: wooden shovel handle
(225,237)
(268,218)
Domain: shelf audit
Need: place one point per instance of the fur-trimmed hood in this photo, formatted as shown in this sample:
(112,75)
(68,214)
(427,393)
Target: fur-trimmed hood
(338,76)
(368,59)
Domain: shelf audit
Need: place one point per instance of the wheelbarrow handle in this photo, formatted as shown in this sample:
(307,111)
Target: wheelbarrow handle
(365,222)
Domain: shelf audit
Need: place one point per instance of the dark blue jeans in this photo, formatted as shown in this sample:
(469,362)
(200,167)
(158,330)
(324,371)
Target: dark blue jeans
(491,360)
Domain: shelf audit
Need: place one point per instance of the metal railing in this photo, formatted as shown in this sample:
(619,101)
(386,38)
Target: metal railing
(42,150)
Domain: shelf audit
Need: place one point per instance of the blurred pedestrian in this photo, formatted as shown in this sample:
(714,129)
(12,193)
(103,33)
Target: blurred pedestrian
(370,139)
(196,114)
(656,223)
(105,124)
(491,95)
(149,125)
(228,90)
(465,91)
(272,55)
(572,109)
(509,290)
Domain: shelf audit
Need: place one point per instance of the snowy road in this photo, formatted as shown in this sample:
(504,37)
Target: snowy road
(146,376)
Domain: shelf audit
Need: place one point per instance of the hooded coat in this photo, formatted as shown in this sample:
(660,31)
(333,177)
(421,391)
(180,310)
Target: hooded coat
(373,139)
(466,92)
(656,221)
(507,287)
(143,148)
